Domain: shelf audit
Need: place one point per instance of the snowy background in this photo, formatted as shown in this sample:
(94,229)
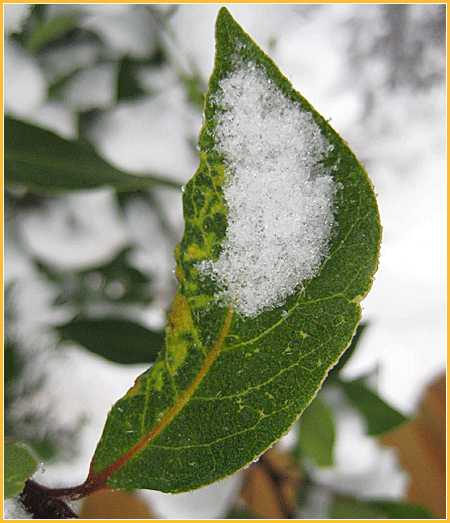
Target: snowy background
(377,71)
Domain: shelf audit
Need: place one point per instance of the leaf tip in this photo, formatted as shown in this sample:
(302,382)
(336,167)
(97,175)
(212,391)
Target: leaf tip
(224,14)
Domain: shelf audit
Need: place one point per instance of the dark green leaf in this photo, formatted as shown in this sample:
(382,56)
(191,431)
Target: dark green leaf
(379,415)
(51,273)
(19,465)
(316,436)
(118,340)
(13,363)
(43,161)
(128,86)
(13,366)
(40,11)
(334,372)
(232,381)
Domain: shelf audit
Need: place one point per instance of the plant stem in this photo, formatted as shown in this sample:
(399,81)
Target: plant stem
(42,504)
(97,480)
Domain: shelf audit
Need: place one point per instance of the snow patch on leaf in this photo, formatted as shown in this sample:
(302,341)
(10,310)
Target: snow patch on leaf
(278,193)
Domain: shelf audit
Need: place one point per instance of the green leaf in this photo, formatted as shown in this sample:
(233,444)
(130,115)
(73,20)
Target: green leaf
(379,415)
(240,513)
(128,86)
(51,30)
(334,372)
(316,436)
(194,86)
(350,508)
(55,90)
(401,510)
(119,340)
(43,161)
(13,364)
(237,371)
(347,508)
(19,465)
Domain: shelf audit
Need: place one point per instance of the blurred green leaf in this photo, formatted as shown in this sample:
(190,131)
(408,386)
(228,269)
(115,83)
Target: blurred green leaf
(304,490)
(115,282)
(379,415)
(334,372)
(119,267)
(39,12)
(350,508)
(52,30)
(55,90)
(316,433)
(401,510)
(13,364)
(50,272)
(43,161)
(240,513)
(117,340)
(346,508)
(19,465)
(128,86)
(195,87)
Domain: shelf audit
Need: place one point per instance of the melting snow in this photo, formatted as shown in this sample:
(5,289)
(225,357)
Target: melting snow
(279,196)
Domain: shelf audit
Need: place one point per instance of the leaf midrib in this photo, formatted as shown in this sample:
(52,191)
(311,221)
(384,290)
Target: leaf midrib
(96,478)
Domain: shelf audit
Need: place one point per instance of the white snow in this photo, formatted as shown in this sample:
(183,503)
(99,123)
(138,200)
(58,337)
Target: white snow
(22,71)
(279,195)
(13,509)
(65,233)
(13,16)
(141,136)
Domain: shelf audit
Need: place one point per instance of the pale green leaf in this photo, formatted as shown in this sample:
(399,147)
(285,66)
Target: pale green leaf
(19,465)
